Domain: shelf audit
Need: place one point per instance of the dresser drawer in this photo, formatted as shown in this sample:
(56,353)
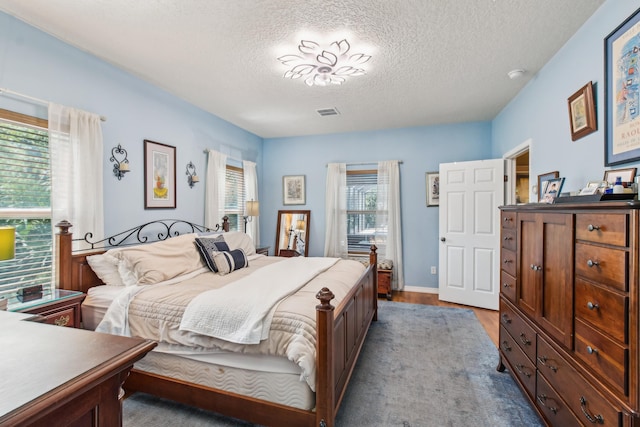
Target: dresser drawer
(520,365)
(603,309)
(508,219)
(508,285)
(603,355)
(602,228)
(524,336)
(555,410)
(603,265)
(509,239)
(583,399)
(508,261)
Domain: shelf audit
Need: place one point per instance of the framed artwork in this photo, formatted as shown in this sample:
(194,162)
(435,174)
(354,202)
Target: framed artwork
(543,180)
(433,189)
(552,189)
(593,187)
(293,190)
(622,92)
(626,175)
(159,175)
(582,112)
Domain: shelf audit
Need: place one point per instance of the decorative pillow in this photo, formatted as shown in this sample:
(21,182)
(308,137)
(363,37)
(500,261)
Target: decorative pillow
(208,247)
(159,261)
(226,262)
(240,240)
(106,268)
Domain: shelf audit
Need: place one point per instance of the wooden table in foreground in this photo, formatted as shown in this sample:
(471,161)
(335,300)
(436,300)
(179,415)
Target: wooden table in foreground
(62,376)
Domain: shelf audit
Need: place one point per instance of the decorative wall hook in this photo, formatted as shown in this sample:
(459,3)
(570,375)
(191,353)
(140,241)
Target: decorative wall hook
(120,161)
(192,178)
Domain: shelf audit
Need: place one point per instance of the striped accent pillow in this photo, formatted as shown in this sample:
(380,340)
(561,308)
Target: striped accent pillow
(226,262)
(209,247)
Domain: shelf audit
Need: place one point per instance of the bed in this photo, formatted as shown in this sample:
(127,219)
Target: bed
(281,388)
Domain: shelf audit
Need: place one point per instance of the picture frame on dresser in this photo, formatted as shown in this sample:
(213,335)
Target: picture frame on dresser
(626,175)
(622,92)
(543,179)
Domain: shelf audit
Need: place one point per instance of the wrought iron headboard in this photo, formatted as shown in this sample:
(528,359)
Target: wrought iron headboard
(157,230)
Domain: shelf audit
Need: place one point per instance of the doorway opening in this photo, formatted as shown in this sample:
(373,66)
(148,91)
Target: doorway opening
(517,183)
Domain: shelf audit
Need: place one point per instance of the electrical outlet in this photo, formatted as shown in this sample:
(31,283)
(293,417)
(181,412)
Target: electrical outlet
(433,270)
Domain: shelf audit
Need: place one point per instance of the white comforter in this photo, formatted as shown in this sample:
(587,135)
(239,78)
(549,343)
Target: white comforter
(156,312)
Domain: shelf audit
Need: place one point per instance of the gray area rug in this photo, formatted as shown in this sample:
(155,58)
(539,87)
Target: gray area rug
(420,366)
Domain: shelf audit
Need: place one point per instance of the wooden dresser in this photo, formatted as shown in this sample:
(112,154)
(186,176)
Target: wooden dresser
(62,376)
(569,310)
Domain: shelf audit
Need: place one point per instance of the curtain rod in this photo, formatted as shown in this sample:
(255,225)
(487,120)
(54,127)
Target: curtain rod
(206,151)
(365,163)
(31,98)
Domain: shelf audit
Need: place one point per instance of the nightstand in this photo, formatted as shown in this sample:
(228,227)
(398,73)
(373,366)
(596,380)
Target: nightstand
(57,307)
(264,250)
(384,283)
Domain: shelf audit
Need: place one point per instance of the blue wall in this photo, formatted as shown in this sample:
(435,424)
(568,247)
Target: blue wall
(540,110)
(421,149)
(36,64)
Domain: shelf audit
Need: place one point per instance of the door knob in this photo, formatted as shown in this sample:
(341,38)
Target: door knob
(442,239)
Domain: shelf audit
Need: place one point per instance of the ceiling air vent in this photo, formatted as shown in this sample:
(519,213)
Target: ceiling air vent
(328,112)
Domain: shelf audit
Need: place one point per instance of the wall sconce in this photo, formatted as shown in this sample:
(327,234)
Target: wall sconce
(120,162)
(7,243)
(192,178)
(252,209)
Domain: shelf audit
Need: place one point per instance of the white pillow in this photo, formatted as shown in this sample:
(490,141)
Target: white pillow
(240,240)
(106,268)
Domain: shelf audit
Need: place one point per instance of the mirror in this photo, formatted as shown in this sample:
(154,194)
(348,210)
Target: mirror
(292,234)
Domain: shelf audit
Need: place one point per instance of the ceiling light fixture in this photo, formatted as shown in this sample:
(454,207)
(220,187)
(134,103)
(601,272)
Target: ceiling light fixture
(322,66)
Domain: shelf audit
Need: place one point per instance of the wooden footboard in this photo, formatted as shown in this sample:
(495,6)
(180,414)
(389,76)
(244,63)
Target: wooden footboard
(341,332)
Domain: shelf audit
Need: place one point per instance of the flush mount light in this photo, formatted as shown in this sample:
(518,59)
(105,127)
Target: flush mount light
(515,74)
(321,66)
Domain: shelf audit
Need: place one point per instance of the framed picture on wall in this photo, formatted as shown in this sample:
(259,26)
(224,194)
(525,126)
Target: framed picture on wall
(159,175)
(622,92)
(293,190)
(433,189)
(582,112)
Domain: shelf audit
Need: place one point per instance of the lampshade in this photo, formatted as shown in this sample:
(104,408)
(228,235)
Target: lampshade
(7,243)
(253,208)
(300,225)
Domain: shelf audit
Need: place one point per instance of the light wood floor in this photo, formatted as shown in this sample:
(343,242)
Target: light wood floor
(489,319)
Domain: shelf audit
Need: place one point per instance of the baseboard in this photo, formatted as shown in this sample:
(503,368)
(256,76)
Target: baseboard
(421,289)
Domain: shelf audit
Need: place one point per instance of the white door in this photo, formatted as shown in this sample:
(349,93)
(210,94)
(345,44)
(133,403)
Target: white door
(470,194)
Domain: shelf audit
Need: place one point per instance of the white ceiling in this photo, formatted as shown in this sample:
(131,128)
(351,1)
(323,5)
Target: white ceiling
(433,61)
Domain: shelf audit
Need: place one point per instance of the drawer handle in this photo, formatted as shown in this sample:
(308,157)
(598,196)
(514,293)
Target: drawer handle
(542,399)
(594,419)
(505,346)
(506,285)
(507,238)
(523,339)
(592,350)
(519,369)
(62,320)
(507,261)
(506,319)
(536,267)
(591,263)
(543,361)
(507,219)
(593,227)
(592,306)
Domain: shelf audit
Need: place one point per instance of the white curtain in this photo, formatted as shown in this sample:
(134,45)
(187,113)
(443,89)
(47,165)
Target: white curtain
(75,145)
(335,239)
(389,214)
(214,188)
(251,193)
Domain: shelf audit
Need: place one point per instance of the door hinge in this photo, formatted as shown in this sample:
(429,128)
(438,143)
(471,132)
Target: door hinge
(506,178)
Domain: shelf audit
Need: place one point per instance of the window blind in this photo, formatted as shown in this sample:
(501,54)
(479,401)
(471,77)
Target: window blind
(362,188)
(25,202)
(234,198)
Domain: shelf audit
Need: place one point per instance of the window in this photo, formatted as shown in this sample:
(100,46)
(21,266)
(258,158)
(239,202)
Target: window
(25,202)
(362,213)
(234,197)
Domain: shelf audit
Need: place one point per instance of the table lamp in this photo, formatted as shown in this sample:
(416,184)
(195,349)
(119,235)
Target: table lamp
(7,243)
(253,209)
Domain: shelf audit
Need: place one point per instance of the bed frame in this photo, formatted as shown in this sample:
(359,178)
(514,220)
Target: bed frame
(341,332)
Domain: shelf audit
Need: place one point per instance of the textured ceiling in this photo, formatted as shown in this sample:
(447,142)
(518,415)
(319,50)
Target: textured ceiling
(433,61)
